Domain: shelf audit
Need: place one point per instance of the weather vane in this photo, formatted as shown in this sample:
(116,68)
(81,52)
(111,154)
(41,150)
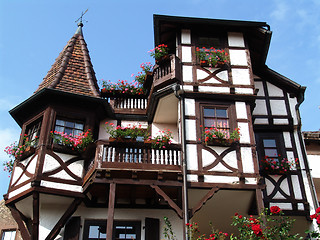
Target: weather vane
(80,18)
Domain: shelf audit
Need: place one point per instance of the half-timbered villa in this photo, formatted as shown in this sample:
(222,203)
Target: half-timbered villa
(122,188)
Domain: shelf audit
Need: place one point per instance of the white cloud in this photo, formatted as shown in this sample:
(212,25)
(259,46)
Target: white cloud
(281,10)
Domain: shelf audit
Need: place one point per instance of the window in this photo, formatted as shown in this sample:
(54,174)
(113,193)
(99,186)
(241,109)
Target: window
(96,229)
(8,235)
(216,117)
(209,42)
(33,132)
(70,127)
(270,145)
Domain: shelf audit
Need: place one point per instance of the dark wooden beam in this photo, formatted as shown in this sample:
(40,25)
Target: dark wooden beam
(35,218)
(168,199)
(203,201)
(62,221)
(112,194)
(18,216)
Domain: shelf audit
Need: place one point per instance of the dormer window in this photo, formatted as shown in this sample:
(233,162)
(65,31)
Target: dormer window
(69,127)
(33,132)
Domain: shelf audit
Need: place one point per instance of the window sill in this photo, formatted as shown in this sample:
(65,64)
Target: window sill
(27,153)
(87,153)
(221,142)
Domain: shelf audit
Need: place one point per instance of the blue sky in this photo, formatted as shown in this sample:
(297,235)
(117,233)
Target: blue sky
(119,34)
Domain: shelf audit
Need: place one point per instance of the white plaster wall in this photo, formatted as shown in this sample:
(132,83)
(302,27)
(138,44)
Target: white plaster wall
(62,186)
(49,216)
(190,109)
(134,215)
(247,161)
(185,36)
(192,158)
(19,190)
(278,107)
(187,73)
(261,121)
(191,130)
(296,190)
(314,164)
(223,75)
(244,132)
(240,76)
(280,121)
(192,178)
(187,88)
(186,54)
(261,108)
(244,91)
(241,110)
(292,103)
(235,39)
(230,159)
(287,139)
(18,171)
(259,86)
(214,89)
(274,91)
(238,57)
(156,127)
(220,179)
(283,206)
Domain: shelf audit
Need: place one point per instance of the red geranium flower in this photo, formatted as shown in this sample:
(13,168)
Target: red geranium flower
(275,210)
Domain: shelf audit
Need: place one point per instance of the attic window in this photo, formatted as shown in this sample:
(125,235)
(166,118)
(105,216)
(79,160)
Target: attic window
(209,42)
(8,235)
(69,127)
(33,132)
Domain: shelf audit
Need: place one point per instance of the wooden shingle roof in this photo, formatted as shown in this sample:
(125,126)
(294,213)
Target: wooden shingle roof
(72,71)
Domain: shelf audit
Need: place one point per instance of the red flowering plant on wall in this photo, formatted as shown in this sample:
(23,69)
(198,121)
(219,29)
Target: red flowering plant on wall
(122,87)
(163,139)
(212,56)
(222,136)
(131,132)
(146,68)
(315,217)
(79,142)
(159,51)
(16,151)
(278,165)
(270,224)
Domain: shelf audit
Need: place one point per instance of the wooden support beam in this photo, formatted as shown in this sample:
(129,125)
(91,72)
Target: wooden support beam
(259,199)
(35,218)
(168,199)
(203,201)
(112,194)
(65,217)
(18,216)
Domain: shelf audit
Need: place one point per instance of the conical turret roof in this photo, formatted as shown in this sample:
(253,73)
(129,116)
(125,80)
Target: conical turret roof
(72,71)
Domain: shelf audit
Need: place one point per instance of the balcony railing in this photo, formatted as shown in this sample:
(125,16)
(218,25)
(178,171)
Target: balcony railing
(135,156)
(167,72)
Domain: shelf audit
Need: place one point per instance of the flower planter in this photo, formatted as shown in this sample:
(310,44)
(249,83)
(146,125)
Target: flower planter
(149,141)
(163,59)
(27,153)
(221,142)
(120,139)
(274,172)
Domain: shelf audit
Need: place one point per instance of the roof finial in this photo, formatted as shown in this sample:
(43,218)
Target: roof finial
(80,24)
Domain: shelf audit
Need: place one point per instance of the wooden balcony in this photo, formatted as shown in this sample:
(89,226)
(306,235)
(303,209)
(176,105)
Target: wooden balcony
(166,72)
(134,160)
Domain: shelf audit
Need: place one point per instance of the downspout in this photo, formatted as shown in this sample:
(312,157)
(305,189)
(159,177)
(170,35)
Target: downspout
(303,149)
(179,93)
